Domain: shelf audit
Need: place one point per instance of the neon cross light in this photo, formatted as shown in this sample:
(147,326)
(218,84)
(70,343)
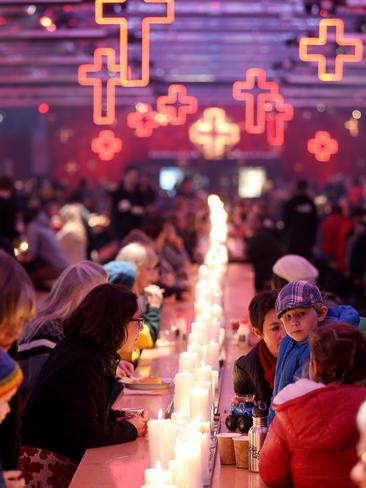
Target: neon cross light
(104,92)
(177,105)
(322,146)
(255,117)
(322,40)
(106,145)
(277,113)
(143,120)
(214,133)
(100,18)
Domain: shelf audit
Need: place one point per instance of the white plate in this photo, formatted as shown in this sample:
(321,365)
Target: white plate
(166,383)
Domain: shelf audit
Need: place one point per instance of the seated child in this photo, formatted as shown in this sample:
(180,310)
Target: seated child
(300,307)
(312,440)
(10,379)
(254,372)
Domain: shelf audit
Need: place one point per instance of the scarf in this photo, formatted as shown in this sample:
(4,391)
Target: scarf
(268,361)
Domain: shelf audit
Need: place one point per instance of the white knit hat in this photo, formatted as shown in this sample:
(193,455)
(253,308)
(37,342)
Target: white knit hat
(293,268)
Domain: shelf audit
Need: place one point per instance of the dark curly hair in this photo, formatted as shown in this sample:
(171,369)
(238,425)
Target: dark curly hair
(339,352)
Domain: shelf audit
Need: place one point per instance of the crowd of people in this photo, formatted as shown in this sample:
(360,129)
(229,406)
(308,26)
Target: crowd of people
(85,272)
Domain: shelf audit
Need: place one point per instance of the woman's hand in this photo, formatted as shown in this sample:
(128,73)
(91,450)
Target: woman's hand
(125,368)
(139,421)
(14,479)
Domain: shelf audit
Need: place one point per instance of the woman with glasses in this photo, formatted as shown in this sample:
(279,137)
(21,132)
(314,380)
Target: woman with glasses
(68,410)
(312,440)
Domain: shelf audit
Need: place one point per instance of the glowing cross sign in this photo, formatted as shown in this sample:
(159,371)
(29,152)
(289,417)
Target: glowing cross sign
(101,18)
(144,120)
(214,133)
(106,145)
(104,96)
(177,105)
(255,117)
(277,113)
(322,146)
(322,40)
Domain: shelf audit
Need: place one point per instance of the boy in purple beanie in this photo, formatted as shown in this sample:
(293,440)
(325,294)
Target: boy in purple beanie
(300,307)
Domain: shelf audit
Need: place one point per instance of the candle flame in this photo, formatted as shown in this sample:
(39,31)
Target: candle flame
(160,414)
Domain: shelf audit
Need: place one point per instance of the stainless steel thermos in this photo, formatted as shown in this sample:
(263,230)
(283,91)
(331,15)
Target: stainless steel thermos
(257,433)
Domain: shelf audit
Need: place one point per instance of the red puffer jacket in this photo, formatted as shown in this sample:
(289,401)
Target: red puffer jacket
(312,440)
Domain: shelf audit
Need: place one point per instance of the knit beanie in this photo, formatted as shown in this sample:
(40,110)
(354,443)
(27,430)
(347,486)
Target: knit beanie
(121,273)
(11,375)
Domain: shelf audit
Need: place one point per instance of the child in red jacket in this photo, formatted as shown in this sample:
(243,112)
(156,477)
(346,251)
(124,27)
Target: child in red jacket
(312,440)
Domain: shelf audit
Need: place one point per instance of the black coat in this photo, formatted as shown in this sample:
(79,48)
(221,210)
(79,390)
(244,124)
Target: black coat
(10,429)
(248,377)
(68,409)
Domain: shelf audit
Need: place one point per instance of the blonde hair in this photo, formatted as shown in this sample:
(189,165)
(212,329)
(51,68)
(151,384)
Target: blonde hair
(17,296)
(134,253)
(67,292)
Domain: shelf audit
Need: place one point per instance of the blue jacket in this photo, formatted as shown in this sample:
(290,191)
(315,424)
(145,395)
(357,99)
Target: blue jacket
(293,355)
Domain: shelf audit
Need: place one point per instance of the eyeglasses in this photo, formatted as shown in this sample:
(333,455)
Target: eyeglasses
(139,320)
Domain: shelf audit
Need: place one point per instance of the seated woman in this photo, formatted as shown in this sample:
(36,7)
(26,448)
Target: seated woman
(141,281)
(42,335)
(254,372)
(358,473)
(312,440)
(68,409)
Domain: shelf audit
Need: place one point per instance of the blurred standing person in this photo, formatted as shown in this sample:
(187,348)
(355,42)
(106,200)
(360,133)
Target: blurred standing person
(8,212)
(128,204)
(301,222)
(262,250)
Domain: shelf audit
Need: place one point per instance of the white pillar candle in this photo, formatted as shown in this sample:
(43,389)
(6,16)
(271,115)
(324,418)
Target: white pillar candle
(173,470)
(189,355)
(177,416)
(186,365)
(203,372)
(203,439)
(196,339)
(157,475)
(182,384)
(211,354)
(188,464)
(161,440)
(199,404)
(214,330)
(197,350)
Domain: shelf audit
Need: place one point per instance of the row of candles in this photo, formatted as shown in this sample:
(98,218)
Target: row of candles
(180,446)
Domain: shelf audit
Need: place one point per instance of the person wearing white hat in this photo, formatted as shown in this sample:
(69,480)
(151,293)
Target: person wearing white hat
(292,267)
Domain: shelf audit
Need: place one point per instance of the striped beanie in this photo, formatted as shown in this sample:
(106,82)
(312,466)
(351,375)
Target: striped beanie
(11,375)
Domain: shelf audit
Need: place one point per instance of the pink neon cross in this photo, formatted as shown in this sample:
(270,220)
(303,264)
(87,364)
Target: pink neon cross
(255,117)
(280,113)
(177,104)
(144,33)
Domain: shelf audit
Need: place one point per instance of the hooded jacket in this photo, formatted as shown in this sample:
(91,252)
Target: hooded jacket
(312,440)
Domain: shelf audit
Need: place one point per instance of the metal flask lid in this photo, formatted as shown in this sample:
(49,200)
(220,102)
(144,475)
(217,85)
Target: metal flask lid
(260,410)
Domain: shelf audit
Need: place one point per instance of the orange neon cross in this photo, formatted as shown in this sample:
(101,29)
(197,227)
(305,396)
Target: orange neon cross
(143,120)
(255,78)
(91,75)
(214,133)
(100,18)
(277,113)
(323,40)
(177,105)
(322,146)
(106,145)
